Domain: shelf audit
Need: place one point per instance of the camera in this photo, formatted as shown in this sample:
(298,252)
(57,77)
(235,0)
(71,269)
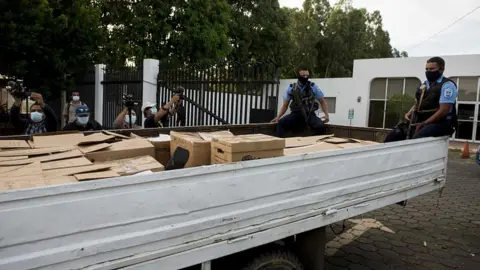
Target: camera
(179,92)
(128,101)
(17,90)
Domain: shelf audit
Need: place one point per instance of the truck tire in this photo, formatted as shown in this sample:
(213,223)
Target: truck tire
(276,260)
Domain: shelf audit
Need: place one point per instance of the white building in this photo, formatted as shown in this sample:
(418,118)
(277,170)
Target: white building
(375,80)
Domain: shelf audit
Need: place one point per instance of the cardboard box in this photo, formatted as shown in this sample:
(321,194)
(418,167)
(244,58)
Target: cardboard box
(329,143)
(136,165)
(304,141)
(14,144)
(162,148)
(317,147)
(245,147)
(124,149)
(96,175)
(65,140)
(198,147)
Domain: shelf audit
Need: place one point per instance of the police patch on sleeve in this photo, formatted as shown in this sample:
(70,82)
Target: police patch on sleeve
(448,93)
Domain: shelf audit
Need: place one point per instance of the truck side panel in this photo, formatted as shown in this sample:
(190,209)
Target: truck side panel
(112,223)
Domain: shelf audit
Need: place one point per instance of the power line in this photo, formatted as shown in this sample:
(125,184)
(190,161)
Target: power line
(446,28)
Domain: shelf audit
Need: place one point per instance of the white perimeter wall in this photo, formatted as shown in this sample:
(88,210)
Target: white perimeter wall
(346,90)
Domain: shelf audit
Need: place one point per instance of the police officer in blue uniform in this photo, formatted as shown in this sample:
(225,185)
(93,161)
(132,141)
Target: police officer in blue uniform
(303,98)
(434,113)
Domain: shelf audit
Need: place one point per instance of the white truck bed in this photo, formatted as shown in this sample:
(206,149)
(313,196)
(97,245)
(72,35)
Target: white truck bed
(180,218)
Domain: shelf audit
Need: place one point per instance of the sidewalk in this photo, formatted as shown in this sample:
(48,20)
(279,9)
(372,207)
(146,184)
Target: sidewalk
(455,145)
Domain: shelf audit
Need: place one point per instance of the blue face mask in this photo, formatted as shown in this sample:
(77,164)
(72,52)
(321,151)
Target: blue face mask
(153,110)
(82,120)
(36,117)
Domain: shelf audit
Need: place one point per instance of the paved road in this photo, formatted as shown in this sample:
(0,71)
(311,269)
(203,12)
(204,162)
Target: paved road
(419,236)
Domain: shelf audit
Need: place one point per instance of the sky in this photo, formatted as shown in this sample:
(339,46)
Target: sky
(411,22)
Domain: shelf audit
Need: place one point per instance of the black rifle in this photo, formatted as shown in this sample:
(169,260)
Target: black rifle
(297,102)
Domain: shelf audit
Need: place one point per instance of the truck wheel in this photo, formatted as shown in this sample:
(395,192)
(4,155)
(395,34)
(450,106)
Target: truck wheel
(276,260)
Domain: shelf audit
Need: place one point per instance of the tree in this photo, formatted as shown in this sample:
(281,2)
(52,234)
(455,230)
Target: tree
(396,53)
(303,36)
(397,106)
(340,33)
(258,31)
(173,31)
(200,33)
(44,41)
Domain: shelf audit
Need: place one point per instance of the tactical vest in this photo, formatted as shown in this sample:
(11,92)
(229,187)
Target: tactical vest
(307,98)
(429,102)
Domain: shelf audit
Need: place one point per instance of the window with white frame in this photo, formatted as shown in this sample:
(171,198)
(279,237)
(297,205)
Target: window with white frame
(331,103)
(390,98)
(468,108)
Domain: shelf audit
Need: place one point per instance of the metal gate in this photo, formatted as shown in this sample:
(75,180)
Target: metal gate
(230,93)
(85,86)
(117,82)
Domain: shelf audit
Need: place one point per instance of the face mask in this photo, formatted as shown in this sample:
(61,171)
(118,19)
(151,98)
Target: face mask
(127,119)
(432,75)
(36,117)
(153,110)
(82,120)
(75,98)
(302,79)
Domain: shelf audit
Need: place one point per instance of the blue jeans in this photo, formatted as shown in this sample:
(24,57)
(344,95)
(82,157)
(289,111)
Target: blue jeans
(295,119)
(430,130)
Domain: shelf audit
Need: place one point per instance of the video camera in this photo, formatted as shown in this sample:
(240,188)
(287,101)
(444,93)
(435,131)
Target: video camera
(180,92)
(17,89)
(128,101)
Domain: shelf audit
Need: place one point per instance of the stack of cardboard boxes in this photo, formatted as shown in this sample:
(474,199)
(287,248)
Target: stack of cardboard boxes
(58,159)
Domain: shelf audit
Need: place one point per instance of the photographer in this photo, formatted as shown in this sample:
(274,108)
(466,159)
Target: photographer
(123,120)
(41,119)
(153,118)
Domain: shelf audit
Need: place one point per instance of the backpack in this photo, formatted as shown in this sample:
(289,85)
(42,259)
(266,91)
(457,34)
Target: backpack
(68,111)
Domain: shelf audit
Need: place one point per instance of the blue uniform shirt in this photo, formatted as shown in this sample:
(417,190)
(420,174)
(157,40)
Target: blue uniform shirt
(315,90)
(448,93)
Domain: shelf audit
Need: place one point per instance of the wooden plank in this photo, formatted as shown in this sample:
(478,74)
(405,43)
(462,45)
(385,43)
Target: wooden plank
(191,209)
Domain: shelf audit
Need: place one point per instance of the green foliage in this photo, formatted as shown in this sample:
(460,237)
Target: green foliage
(398,105)
(328,38)
(45,40)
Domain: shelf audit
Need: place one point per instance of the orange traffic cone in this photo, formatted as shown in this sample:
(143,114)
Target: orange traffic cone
(466,151)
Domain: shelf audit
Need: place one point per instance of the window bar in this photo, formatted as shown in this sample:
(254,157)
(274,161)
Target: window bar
(385,102)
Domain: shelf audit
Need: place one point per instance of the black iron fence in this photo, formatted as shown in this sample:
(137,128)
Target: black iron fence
(230,93)
(85,86)
(116,83)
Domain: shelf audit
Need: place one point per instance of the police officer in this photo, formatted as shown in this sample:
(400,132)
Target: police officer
(303,98)
(434,113)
